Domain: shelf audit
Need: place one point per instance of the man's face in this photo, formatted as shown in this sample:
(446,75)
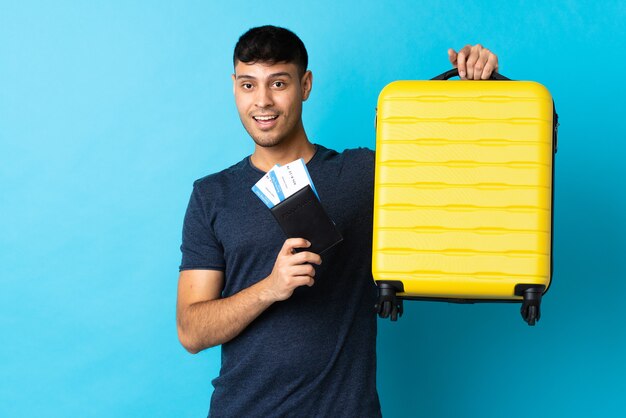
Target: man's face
(269,101)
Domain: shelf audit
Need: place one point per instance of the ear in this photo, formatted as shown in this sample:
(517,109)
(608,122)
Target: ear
(234,79)
(306,83)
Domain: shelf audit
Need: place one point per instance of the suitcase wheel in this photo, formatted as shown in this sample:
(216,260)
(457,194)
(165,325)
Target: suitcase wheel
(389,305)
(531,305)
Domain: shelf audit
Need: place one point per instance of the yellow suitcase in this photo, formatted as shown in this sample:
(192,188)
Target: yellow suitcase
(464,192)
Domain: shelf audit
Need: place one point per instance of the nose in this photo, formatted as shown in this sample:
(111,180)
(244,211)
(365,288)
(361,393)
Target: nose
(264,97)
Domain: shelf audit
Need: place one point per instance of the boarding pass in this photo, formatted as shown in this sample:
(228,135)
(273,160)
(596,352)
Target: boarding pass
(283,181)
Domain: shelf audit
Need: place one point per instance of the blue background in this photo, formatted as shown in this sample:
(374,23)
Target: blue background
(110,109)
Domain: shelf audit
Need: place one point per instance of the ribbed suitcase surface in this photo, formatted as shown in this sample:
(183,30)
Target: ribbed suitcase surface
(463,188)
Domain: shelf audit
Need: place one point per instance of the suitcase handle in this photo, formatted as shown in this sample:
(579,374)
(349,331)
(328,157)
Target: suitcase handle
(455,73)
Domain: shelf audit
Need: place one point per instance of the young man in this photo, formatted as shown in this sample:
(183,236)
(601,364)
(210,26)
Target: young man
(298,331)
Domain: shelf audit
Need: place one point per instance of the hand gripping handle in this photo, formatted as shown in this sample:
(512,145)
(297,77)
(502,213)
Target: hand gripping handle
(455,73)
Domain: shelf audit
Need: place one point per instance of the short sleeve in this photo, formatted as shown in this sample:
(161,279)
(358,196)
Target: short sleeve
(200,247)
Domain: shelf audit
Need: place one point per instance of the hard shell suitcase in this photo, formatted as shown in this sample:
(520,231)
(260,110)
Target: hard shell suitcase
(464,192)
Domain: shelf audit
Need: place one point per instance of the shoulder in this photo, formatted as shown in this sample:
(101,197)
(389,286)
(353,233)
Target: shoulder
(218,187)
(348,166)
(220,179)
(363,154)
(350,154)
(359,159)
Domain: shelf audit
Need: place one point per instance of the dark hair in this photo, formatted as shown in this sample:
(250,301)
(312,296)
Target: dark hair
(271,44)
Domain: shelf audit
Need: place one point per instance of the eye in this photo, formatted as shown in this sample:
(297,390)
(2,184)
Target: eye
(246,86)
(279,84)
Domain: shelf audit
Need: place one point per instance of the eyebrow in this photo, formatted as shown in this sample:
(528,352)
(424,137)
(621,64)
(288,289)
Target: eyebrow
(273,75)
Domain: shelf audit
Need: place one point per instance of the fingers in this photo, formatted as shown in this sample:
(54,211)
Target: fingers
(461,61)
(288,270)
(475,62)
(292,243)
(452,56)
(306,257)
(303,270)
(301,257)
(297,263)
(291,269)
(481,63)
(490,66)
(303,280)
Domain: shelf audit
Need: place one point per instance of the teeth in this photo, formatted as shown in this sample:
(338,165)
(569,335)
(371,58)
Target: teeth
(264,118)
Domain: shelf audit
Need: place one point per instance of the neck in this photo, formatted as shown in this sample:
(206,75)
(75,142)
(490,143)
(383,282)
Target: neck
(264,158)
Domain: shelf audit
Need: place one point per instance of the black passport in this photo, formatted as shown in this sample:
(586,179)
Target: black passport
(301,215)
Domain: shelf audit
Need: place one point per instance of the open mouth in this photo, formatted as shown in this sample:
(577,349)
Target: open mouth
(265,122)
(265,118)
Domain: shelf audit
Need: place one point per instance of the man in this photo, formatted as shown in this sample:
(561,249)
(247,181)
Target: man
(298,330)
